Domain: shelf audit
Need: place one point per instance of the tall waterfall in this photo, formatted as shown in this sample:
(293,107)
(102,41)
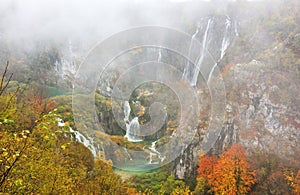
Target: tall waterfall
(127,110)
(226,38)
(191,73)
(215,38)
(188,70)
(203,52)
(224,46)
(133,126)
(159,55)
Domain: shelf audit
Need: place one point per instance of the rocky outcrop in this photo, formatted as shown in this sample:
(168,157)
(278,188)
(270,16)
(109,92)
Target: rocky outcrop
(262,114)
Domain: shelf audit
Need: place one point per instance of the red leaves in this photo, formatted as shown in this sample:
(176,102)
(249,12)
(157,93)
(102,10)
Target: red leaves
(42,105)
(207,167)
(229,174)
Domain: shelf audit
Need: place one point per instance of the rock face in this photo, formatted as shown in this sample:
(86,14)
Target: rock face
(263,114)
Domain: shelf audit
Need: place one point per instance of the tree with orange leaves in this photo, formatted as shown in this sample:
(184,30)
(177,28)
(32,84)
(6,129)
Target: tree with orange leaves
(205,177)
(293,180)
(232,173)
(207,167)
(229,174)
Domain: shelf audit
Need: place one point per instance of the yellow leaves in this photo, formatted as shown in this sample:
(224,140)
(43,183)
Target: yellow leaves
(141,111)
(24,134)
(181,191)
(46,138)
(293,180)
(67,123)
(4,154)
(17,154)
(19,182)
(64,146)
(108,104)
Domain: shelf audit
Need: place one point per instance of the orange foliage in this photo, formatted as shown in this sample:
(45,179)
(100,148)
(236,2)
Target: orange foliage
(226,70)
(42,105)
(293,181)
(206,167)
(229,174)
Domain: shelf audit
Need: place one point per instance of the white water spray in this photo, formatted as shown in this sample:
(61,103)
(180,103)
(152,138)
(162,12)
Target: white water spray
(154,152)
(87,142)
(133,126)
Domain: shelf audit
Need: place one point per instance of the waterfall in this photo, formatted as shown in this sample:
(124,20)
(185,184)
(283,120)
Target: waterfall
(127,110)
(66,66)
(68,63)
(129,156)
(215,39)
(192,75)
(133,126)
(224,46)
(159,55)
(236,28)
(226,38)
(154,152)
(199,63)
(87,142)
(188,68)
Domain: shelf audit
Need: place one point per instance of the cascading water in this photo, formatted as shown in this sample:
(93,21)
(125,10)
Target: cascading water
(213,46)
(188,69)
(154,152)
(66,67)
(127,110)
(133,126)
(203,51)
(87,142)
(192,75)
(236,28)
(159,55)
(126,151)
(225,44)
(226,38)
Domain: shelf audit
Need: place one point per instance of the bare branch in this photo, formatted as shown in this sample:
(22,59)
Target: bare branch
(2,85)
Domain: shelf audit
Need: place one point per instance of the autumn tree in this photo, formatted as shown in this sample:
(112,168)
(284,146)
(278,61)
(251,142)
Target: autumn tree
(205,177)
(293,180)
(39,157)
(229,174)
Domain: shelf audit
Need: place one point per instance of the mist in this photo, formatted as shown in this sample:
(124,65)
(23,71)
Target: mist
(23,24)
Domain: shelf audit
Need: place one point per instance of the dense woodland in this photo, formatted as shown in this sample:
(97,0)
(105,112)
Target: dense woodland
(39,157)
